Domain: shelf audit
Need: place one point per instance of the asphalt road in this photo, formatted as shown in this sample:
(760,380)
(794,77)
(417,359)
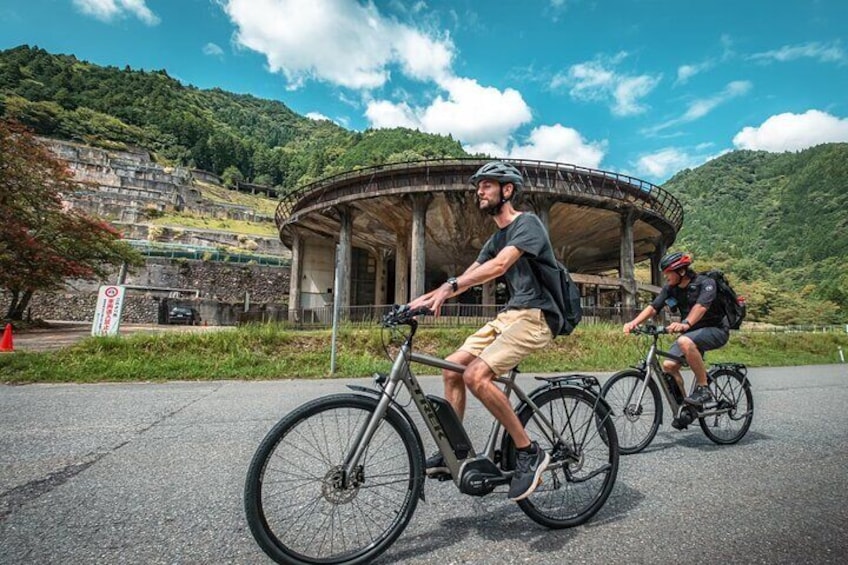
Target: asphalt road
(153,473)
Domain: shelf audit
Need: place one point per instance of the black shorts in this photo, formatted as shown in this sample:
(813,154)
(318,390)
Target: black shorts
(704,338)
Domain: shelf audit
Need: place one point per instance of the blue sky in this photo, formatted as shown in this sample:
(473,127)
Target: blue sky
(642,87)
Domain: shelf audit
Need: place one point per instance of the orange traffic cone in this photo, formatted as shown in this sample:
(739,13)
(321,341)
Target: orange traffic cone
(6,343)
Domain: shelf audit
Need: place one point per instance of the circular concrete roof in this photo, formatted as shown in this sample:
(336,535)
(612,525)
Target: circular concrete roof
(585,208)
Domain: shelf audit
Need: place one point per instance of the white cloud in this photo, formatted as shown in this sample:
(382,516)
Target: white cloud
(475,113)
(662,164)
(561,144)
(385,114)
(317,116)
(792,132)
(701,107)
(213,50)
(597,81)
(685,72)
(108,10)
(337,41)
(470,112)
(824,52)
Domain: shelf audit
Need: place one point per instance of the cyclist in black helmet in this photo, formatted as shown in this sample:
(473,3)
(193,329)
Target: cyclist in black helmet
(528,322)
(703,324)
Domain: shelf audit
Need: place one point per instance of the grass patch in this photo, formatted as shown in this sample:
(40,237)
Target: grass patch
(188,220)
(269,351)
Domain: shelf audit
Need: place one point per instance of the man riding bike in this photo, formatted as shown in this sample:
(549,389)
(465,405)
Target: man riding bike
(703,325)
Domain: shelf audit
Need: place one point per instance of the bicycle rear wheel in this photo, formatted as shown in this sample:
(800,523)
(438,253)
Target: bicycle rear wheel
(731,392)
(636,424)
(298,506)
(571,492)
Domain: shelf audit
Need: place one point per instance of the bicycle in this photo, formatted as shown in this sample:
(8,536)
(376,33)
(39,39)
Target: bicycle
(338,479)
(634,397)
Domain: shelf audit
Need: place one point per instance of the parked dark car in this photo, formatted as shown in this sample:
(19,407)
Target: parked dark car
(182,315)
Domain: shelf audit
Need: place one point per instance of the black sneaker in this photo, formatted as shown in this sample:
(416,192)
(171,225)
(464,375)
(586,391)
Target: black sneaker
(678,425)
(528,472)
(435,466)
(700,395)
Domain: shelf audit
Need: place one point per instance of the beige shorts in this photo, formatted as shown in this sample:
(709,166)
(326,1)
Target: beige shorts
(509,338)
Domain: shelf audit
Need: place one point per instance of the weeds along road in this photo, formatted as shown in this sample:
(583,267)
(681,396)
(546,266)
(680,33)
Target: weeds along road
(153,473)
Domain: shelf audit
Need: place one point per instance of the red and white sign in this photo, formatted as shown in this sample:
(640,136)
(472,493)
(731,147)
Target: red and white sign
(107,316)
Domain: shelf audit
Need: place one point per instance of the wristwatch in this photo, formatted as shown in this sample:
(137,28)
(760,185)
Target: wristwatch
(454,283)
(685,321)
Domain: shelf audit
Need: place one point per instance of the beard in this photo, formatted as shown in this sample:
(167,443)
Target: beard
(487,207)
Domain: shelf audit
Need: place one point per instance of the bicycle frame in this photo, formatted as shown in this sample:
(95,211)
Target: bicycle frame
(401,374)
(651,367)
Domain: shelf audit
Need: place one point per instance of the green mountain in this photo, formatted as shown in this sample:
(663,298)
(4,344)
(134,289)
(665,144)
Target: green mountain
(258,140)
(778,222)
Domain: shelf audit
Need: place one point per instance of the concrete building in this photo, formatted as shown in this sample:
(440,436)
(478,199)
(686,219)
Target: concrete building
(401,229)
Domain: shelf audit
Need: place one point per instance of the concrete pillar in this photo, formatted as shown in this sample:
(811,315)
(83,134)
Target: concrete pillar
(489,293)
(420,202)
(627,265)
(345,258)
(402,268)
(379,277)
(656,257)
(296,277)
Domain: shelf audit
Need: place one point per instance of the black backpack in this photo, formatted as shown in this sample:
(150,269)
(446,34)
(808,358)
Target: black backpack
(566,297)
(734,306)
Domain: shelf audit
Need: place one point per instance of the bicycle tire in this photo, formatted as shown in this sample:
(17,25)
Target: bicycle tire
(295,508)
(636,427)
(732,389)
(560,501)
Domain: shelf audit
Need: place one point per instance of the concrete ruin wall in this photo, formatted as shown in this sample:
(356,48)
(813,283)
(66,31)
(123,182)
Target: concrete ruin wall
(222,289)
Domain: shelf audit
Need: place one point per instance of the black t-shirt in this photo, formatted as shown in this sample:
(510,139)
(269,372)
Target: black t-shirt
(527,233)
(701,290)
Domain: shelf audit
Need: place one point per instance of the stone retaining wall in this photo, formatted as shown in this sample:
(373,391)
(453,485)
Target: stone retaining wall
(217,290)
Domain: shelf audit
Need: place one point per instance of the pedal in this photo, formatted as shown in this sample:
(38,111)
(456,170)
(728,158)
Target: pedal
(440,476)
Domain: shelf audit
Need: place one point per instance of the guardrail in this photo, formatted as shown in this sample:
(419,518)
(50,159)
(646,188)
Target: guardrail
(453,315)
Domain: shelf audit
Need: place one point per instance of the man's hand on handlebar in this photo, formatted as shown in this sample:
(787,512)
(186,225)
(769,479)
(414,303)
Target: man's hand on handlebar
(630,326)
(677,328)
(433,300)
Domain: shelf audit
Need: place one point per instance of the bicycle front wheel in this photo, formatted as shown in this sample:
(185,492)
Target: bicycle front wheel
(735,404)
(636,422)
(584,462)
(300,507)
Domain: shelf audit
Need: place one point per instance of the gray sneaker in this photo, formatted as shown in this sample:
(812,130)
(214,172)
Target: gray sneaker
(699,396)
(528,472)
(436,466)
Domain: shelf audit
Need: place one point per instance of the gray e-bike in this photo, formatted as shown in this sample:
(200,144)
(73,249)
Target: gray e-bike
(634,397)
(338,479)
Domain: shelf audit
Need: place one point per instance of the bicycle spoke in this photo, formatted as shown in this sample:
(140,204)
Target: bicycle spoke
(310,509)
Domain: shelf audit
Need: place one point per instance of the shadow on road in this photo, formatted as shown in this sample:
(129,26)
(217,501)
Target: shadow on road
(506,521)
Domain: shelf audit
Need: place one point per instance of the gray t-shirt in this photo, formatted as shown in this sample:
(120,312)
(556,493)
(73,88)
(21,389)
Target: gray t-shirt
(527,233)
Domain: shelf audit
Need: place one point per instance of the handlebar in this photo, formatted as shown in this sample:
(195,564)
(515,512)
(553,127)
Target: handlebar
(402,315)
(649,330)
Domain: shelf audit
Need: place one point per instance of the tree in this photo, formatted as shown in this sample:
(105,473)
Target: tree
(42,243)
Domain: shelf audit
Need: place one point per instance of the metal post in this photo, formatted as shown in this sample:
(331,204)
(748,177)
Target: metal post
(841,355)
(336,310)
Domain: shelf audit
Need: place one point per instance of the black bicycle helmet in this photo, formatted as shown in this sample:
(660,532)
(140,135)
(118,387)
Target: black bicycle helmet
(500,172)
(674,261)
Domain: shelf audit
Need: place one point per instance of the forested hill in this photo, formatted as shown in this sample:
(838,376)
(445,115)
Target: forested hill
(61,96)
(778,222)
